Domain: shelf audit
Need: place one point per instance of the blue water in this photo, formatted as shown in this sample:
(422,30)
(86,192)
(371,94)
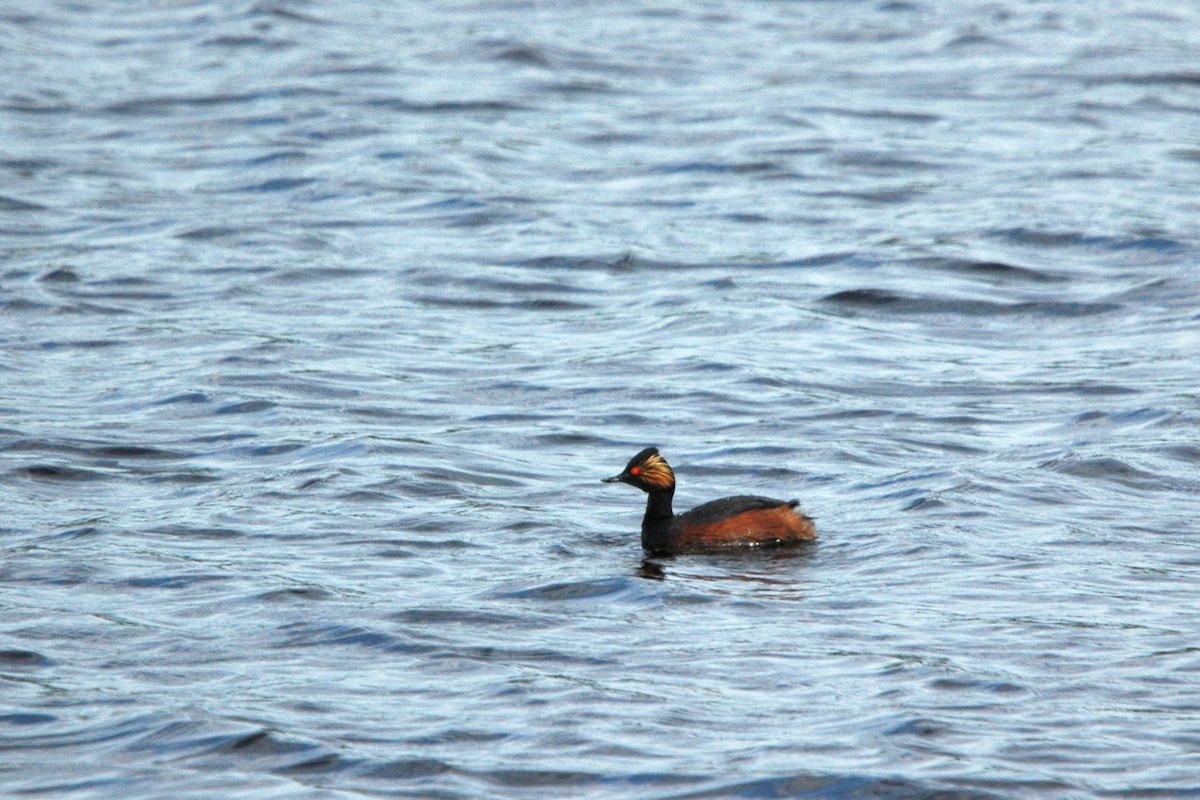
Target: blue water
(320,323)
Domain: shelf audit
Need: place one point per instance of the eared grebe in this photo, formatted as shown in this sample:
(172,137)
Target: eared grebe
(729,522)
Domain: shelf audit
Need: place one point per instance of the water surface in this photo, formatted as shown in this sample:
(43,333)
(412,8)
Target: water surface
(318,330)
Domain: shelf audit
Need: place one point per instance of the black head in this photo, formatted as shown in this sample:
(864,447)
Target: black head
(647,471)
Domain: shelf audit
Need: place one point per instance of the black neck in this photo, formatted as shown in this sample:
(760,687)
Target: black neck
(657,522)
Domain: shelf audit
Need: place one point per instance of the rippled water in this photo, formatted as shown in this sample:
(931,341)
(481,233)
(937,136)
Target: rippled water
(319,325)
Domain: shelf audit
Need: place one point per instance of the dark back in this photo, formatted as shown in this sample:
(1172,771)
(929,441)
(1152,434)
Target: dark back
(726,507)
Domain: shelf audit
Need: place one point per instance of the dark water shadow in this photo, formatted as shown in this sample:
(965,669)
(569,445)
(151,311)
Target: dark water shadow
(750,565)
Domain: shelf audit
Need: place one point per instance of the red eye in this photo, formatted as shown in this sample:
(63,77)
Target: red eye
(635,470)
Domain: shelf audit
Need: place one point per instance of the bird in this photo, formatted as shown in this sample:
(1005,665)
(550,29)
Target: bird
(741,521)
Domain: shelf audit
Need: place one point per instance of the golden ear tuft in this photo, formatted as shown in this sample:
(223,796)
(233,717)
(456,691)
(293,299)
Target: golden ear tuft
(657,472)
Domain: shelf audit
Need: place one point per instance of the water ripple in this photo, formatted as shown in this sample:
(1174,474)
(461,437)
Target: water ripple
(314,349)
